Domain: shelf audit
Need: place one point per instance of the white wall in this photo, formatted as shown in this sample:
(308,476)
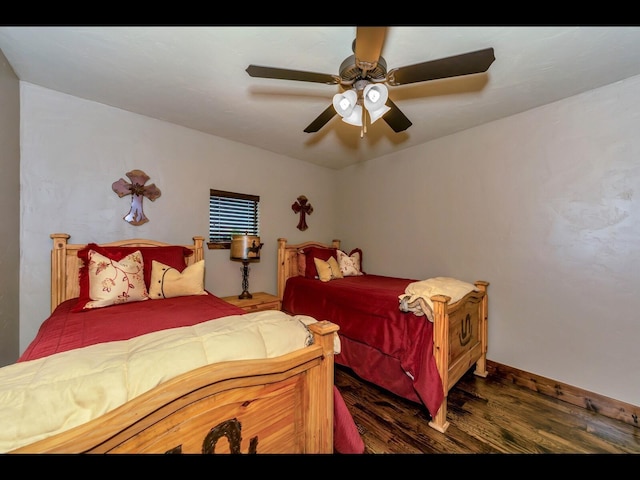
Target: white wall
(73,150)
(10,211)
(544,205)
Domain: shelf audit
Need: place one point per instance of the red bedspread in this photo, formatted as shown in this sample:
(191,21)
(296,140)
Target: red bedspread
(66,330)
(379,342)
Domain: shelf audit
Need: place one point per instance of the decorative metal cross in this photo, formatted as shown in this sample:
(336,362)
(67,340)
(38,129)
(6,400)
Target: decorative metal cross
(137,190)
(303,208)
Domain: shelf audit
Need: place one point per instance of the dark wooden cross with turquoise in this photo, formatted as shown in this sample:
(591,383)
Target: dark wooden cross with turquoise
(138,191)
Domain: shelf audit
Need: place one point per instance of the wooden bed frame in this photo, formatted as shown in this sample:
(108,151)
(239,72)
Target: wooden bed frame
(454,356)
(277,405)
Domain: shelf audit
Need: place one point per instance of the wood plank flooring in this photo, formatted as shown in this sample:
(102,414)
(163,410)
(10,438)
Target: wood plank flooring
(486,415)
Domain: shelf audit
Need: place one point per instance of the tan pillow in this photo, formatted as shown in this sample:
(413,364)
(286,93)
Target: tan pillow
(167,282)
(327,270)
(112,282)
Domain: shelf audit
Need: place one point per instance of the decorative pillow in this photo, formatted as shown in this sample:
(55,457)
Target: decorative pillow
(172,255)
(359,252)
(316,252)
(328,270)
(167,282)
(350,264)
(113,282)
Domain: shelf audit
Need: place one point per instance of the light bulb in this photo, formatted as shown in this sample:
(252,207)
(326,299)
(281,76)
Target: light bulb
(344,102)
(373,95)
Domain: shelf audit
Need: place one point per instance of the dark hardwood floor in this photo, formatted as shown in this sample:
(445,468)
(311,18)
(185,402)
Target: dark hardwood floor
(486,415)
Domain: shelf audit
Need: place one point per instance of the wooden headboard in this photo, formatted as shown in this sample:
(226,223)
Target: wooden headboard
(288,259)
(65,264)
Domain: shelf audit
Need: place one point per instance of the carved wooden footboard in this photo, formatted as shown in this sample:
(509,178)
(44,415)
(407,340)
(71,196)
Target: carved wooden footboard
(279,405)
(459,341)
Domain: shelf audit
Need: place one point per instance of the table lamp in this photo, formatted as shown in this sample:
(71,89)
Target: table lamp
(245,249)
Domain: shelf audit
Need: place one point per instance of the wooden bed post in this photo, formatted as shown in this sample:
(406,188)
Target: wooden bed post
(282,274)
(321,420)
(198,251)
(441,353)
(481,364)
(58,268)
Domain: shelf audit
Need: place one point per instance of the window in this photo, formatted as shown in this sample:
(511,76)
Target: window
(231,213)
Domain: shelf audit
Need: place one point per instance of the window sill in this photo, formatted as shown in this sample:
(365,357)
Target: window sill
(219,246)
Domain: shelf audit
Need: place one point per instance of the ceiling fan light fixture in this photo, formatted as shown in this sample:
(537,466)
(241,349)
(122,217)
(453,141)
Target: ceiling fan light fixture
(345,102)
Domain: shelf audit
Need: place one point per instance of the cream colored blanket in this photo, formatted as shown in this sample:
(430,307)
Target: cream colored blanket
(417,295)
(42,397)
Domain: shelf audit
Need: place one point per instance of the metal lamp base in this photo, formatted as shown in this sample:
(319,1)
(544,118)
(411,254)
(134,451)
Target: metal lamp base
(245,281)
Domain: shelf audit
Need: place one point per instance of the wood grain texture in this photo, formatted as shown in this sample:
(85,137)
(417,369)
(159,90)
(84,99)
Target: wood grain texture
(487,415)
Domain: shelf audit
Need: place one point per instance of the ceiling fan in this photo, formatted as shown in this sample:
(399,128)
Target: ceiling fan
(363,75)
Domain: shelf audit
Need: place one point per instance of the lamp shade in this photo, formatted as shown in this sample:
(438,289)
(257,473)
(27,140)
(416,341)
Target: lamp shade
(345,102)
(245,247)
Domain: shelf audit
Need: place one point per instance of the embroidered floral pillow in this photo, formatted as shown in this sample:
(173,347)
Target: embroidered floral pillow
(113,282)
(350,265)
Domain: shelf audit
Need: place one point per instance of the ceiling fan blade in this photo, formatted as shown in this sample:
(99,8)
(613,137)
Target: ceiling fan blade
(286,74)
(395,118)
(368,46)
(322,120)
(464,64)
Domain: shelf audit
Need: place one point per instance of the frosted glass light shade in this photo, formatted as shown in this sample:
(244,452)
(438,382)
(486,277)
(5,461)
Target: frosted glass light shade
(376,114)
(355,118)
(375,96)
(345,102)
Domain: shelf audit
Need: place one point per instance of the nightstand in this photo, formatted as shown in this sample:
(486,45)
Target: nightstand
(260,301)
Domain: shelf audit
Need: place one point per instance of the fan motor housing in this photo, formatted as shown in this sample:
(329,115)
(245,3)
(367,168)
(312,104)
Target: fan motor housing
(350,72)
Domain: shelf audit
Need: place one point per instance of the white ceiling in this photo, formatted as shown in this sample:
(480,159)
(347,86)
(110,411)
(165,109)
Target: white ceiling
(195,77)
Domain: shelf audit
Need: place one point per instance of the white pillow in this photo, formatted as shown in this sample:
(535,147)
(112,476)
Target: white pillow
(349,265)
(112,282)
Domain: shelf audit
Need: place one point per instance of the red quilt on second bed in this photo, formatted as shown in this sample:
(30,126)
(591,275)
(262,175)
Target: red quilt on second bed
(382,344)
